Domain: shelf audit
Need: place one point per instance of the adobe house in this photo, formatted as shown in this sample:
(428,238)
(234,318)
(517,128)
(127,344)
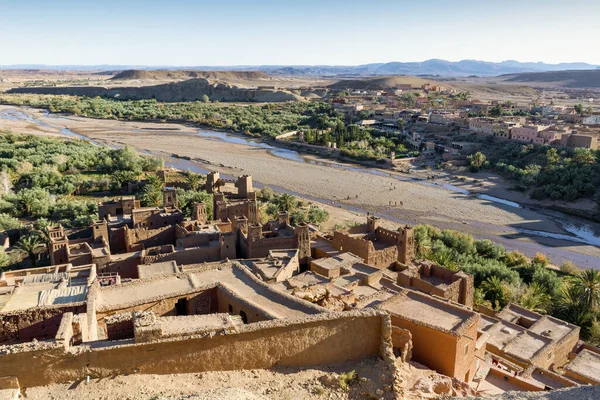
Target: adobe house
(232,199)
(194,243)
(377,246)
(444,335)
(255,240)
(428,277)
(92,249)
(118,208)
(585,366)
(527,338)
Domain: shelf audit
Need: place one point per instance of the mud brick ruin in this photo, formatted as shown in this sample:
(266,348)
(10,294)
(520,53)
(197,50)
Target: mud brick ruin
(145,290)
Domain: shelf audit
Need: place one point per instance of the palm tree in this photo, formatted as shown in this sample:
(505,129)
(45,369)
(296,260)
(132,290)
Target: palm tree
(422,243)
(193,180)
(587,287)
(287,202)
(536,298)
(30,245)
(493,287)
(571,309)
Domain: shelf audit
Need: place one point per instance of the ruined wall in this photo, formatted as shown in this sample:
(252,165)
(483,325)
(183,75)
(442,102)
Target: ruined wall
(382,258)
(388,237)
(35,323)
(187,256)
(204,302)
(150,237)
(126,267)
(343,242)
(321,339)
(231,305)
(117,240)
(261,247)
(402,340)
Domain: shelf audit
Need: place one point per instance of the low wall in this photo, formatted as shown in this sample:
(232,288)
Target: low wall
(35,323)
(522,383)
(314,340)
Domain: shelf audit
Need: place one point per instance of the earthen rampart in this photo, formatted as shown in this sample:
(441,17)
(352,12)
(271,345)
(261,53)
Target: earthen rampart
(312,340)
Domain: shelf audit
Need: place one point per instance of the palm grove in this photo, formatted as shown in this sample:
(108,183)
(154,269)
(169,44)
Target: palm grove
(46,181)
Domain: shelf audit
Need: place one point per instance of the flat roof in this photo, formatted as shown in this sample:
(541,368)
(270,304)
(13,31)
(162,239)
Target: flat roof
(587,364)
(328,263)
(157,269)
(120,296)
(307,278)
(234,278)
(42,294)
(526,345)
(428,311)
(512,313)
(486,322)
(552,328)
(502,333)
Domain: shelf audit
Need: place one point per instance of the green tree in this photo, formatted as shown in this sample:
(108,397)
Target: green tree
(476,161)
(4,260)
(497,111)
(536,298)
(494,291)
(287,202)
(317,215)
(552,156)
(34,202)
(205,98)
(7,222)
(31,246)
(579,108)
(587,287)
(194,181)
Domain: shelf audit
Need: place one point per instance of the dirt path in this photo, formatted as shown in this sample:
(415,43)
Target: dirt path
(352,188)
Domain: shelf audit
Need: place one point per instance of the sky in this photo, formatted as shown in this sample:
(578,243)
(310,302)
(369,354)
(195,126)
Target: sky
(292,32)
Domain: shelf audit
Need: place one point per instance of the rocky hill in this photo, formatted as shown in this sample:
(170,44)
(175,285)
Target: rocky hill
(379,83)
(567,79)
(189,90)
(165,75)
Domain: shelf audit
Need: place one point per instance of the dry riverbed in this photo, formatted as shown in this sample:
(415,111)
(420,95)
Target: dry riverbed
(356,189)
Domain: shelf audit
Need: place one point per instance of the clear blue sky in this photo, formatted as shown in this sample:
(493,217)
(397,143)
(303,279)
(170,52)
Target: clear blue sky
(253,32)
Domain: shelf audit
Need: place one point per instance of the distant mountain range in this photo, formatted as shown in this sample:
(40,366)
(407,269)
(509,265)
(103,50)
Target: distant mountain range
(429,67)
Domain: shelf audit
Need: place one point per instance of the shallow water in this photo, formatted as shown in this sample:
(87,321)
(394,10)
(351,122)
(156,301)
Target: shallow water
(276,151)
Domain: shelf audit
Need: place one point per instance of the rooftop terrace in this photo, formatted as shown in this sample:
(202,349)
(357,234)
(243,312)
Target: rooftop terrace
(426,310)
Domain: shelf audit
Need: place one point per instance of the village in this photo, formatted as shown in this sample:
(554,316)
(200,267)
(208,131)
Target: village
(444,125)
(144,290)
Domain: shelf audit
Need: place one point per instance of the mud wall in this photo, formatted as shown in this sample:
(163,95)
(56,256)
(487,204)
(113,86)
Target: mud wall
(150,237)
(431,347)
(35,323)
(204,302)
(322,339)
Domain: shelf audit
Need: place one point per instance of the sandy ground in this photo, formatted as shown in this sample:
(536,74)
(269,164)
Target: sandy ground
(320,382)
(410,380)
(355,190)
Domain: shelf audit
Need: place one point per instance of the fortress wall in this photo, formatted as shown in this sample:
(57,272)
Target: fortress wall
(388,237)
(344,242)
(320,339)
